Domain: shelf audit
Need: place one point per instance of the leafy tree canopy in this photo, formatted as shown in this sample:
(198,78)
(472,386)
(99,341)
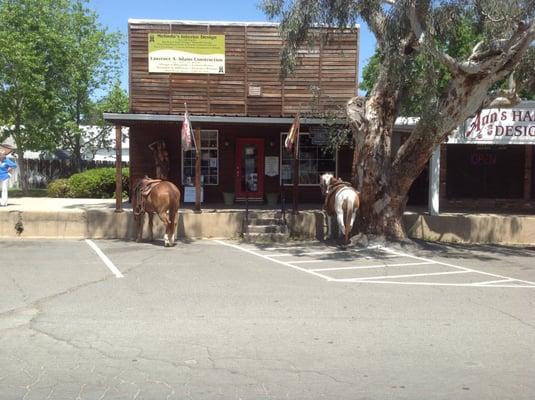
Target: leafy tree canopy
(459,44)
(94,65)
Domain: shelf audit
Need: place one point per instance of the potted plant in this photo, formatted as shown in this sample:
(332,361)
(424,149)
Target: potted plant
(228,198)
(272,199)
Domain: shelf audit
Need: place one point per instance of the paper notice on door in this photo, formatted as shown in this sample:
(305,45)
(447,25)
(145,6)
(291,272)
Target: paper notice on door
(272,166)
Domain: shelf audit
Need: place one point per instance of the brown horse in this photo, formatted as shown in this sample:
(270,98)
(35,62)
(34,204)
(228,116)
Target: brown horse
(156,196)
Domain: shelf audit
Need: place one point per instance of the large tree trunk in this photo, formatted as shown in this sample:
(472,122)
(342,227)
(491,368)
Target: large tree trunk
(76,156)
(382,200)
(21,165)
(23,172)
(383,178)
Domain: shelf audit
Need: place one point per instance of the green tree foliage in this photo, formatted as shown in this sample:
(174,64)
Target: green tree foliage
(55,58)
(93,66)
(525,76)
(428,81)
(32,60)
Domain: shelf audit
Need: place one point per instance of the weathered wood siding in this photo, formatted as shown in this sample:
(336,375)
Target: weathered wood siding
(324,80)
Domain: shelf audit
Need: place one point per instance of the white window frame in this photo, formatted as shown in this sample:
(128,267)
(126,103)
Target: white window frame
(182,177)
(282,150)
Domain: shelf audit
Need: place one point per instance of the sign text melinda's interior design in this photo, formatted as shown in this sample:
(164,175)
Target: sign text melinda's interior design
(499,126)
(186,53)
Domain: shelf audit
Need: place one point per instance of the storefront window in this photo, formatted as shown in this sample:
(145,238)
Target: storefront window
(313,161)
(209,161)
(485,172)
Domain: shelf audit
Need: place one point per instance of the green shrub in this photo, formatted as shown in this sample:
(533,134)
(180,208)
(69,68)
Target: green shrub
(58,188)
(98,183)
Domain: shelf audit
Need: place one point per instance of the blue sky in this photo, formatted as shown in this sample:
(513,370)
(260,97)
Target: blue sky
(115,14)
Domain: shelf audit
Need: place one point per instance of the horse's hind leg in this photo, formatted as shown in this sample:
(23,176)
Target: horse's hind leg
(151,234)
(340,219)
(172,220)
(139,226)
(167,223)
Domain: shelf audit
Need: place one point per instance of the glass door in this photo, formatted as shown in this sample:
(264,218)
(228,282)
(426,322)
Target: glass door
(250,168)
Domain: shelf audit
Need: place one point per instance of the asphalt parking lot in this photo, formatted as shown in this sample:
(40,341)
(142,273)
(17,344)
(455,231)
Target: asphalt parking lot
(302,320)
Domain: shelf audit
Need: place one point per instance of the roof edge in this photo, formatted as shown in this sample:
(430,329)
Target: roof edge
(118,117)
(136,21)
(193,22)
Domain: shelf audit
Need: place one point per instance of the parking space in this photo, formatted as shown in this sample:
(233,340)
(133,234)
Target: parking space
(379,265)
(222,319)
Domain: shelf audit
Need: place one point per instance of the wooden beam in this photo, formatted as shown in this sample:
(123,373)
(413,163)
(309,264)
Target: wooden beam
(198,169)
(296,174)
(118,169)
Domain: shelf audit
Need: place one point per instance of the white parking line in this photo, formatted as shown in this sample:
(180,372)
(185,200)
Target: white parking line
(274,260)
(455,266)
(372,266)
(105,259)
(502,282)
(287,248)
(492,282)
(401,276)
(311,253)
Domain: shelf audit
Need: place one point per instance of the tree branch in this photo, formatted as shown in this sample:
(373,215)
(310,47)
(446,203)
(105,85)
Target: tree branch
(487,60)
(422,36)
(375,17)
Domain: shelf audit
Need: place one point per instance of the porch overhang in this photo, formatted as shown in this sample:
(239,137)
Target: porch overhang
(402,124)
(135,119)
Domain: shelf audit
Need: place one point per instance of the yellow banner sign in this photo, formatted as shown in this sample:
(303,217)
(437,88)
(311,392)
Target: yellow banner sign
(186,53)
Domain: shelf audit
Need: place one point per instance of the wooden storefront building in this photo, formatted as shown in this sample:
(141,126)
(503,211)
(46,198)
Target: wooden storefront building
(228,74)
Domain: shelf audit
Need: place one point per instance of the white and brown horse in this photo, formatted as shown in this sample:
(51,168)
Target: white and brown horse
(341,201)
(160,197)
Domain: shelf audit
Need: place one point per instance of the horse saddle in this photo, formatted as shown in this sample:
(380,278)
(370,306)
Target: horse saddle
(142,190)
(147,184)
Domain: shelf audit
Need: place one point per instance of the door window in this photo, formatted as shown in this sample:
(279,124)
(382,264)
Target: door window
(250,161)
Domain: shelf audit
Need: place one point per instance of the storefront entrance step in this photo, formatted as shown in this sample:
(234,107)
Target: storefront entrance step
(267,229)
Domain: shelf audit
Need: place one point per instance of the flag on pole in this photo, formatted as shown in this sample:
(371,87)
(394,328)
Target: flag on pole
(292,140)
(188,141)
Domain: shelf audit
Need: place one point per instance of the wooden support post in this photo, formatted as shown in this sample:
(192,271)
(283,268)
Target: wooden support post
(198,169)
(295,191)
(434,183)
(118,169)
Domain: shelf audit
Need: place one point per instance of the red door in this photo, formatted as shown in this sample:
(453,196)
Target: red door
(250,169)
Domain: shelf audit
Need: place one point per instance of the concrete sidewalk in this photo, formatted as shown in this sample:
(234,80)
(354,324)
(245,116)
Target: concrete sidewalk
(44,217)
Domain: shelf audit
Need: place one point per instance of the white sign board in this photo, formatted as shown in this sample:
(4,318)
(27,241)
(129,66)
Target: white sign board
(189,194)
(498,126)
(272,166)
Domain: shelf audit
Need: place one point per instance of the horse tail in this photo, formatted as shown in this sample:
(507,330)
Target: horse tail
(348,211)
